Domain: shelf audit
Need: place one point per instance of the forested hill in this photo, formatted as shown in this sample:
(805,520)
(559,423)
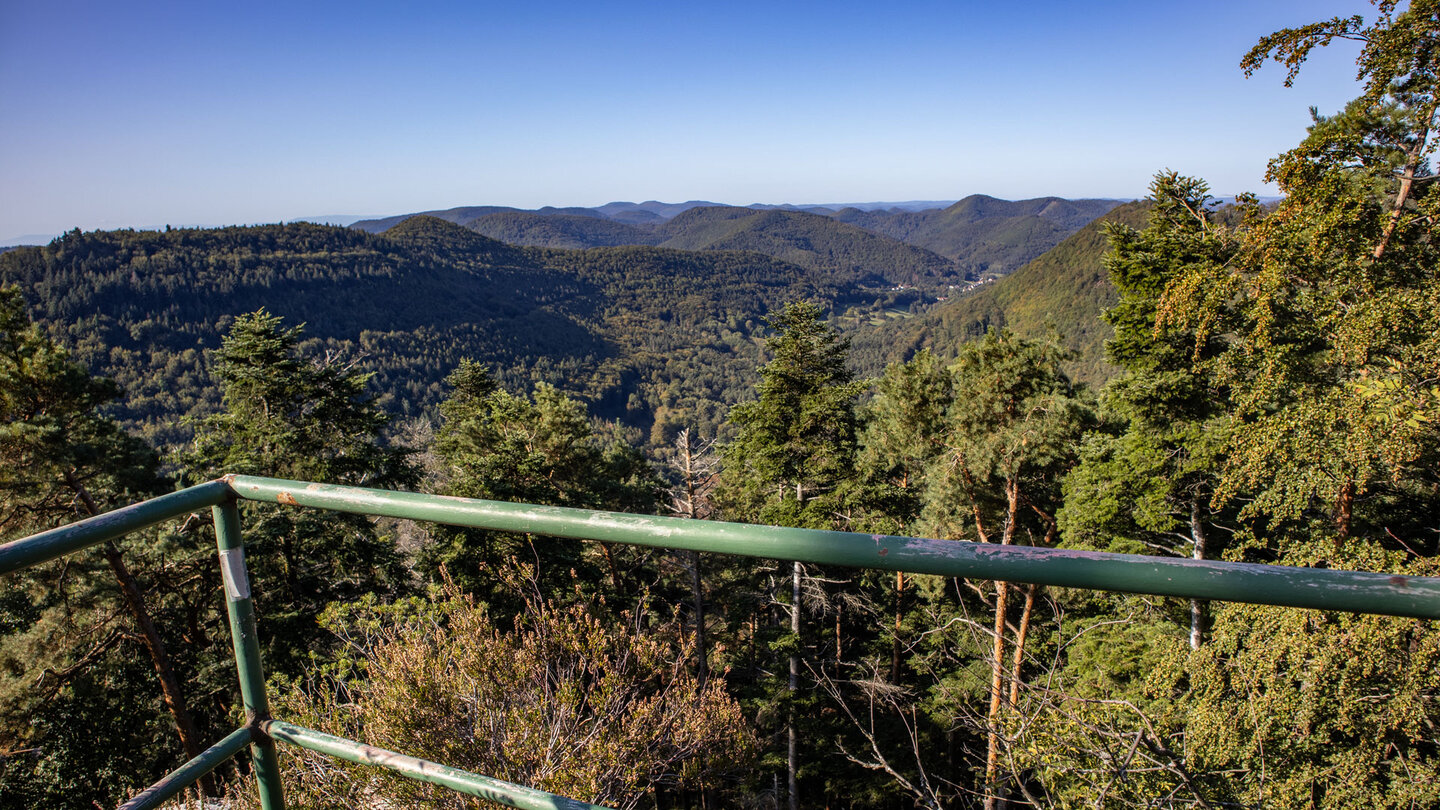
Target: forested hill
(929,248)
(984,234)
(572,231)
(810,240)
(468,213)
(1066,288)
(638,331)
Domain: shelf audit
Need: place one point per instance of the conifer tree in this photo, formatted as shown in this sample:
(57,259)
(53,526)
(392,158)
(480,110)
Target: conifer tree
(61,459)
(793,462)
(309,420)
(1151,485)
(540,449)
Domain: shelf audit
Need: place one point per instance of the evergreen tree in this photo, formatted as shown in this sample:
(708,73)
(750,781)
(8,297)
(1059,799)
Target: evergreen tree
(1151,485)
(288,417)
(61,459)
(541,450)
(793,462)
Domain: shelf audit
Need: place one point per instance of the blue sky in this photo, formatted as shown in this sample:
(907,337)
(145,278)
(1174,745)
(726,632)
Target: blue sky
(140,114)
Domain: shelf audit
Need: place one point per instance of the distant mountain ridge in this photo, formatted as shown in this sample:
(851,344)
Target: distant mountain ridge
(813,241)
(899,243)
(985,234)
(935,249)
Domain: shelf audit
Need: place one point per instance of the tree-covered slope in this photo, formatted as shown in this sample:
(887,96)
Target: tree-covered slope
(458,216)
(852,254)
(984,234)
(1066,288)
(571,231)
(809,240)
(670,327)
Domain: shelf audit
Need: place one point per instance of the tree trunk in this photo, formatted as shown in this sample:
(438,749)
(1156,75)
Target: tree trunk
(1197,607)
(895,641)
(1413,157)
(1344,507)
(1017,660)
(792,754)
(994,798)
(135,601)
(997,687)
(614,570)
(702,661)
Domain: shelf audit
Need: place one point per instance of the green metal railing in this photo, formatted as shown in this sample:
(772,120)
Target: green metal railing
(1322,589)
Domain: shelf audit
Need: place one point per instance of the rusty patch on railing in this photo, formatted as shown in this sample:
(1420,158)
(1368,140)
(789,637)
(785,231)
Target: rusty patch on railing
(287,499)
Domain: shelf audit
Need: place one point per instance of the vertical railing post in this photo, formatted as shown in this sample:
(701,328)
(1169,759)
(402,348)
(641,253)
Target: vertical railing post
(247,652)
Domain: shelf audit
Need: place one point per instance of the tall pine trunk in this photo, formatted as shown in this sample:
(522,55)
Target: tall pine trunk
(1413,156)
(792,753)
(994,796)
(1197,607)
(150,636)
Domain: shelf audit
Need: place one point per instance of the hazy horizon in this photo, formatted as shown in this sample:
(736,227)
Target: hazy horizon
(147,114)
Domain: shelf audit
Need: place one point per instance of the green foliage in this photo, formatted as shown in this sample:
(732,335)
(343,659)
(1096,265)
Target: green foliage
(1319,710)
(558,231)
(674,327)
(542,450)
(53,435)
(1152,484)
(845,252)
(567,701)
(1064,290)
(903,423)
(287,417)
(793,460)
(1012,426)
(1282,371)
(75,684)
(982,234)
(1333,301)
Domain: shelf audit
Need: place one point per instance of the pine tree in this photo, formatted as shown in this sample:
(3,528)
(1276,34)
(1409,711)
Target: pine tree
(793,462)
(62,459)
(540,449)
(288,417)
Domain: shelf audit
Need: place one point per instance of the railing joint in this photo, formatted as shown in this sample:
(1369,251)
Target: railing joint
(259,729)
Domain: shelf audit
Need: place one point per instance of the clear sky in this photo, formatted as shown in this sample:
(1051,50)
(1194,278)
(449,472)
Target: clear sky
(139,114)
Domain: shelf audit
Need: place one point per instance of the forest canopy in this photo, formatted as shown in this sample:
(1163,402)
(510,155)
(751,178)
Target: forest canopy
(1270,393)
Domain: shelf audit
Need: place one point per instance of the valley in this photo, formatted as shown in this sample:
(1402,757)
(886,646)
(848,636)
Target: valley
(656,325)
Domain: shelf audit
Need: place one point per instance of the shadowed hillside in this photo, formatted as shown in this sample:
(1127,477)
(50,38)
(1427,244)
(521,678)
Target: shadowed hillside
(638,331)
(809,240)
(984,234)
(1067,288)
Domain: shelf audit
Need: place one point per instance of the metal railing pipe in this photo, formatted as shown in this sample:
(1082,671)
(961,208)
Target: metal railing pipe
(423,770)
(1321,589)
(38,548)
(241,609)
(188,774)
